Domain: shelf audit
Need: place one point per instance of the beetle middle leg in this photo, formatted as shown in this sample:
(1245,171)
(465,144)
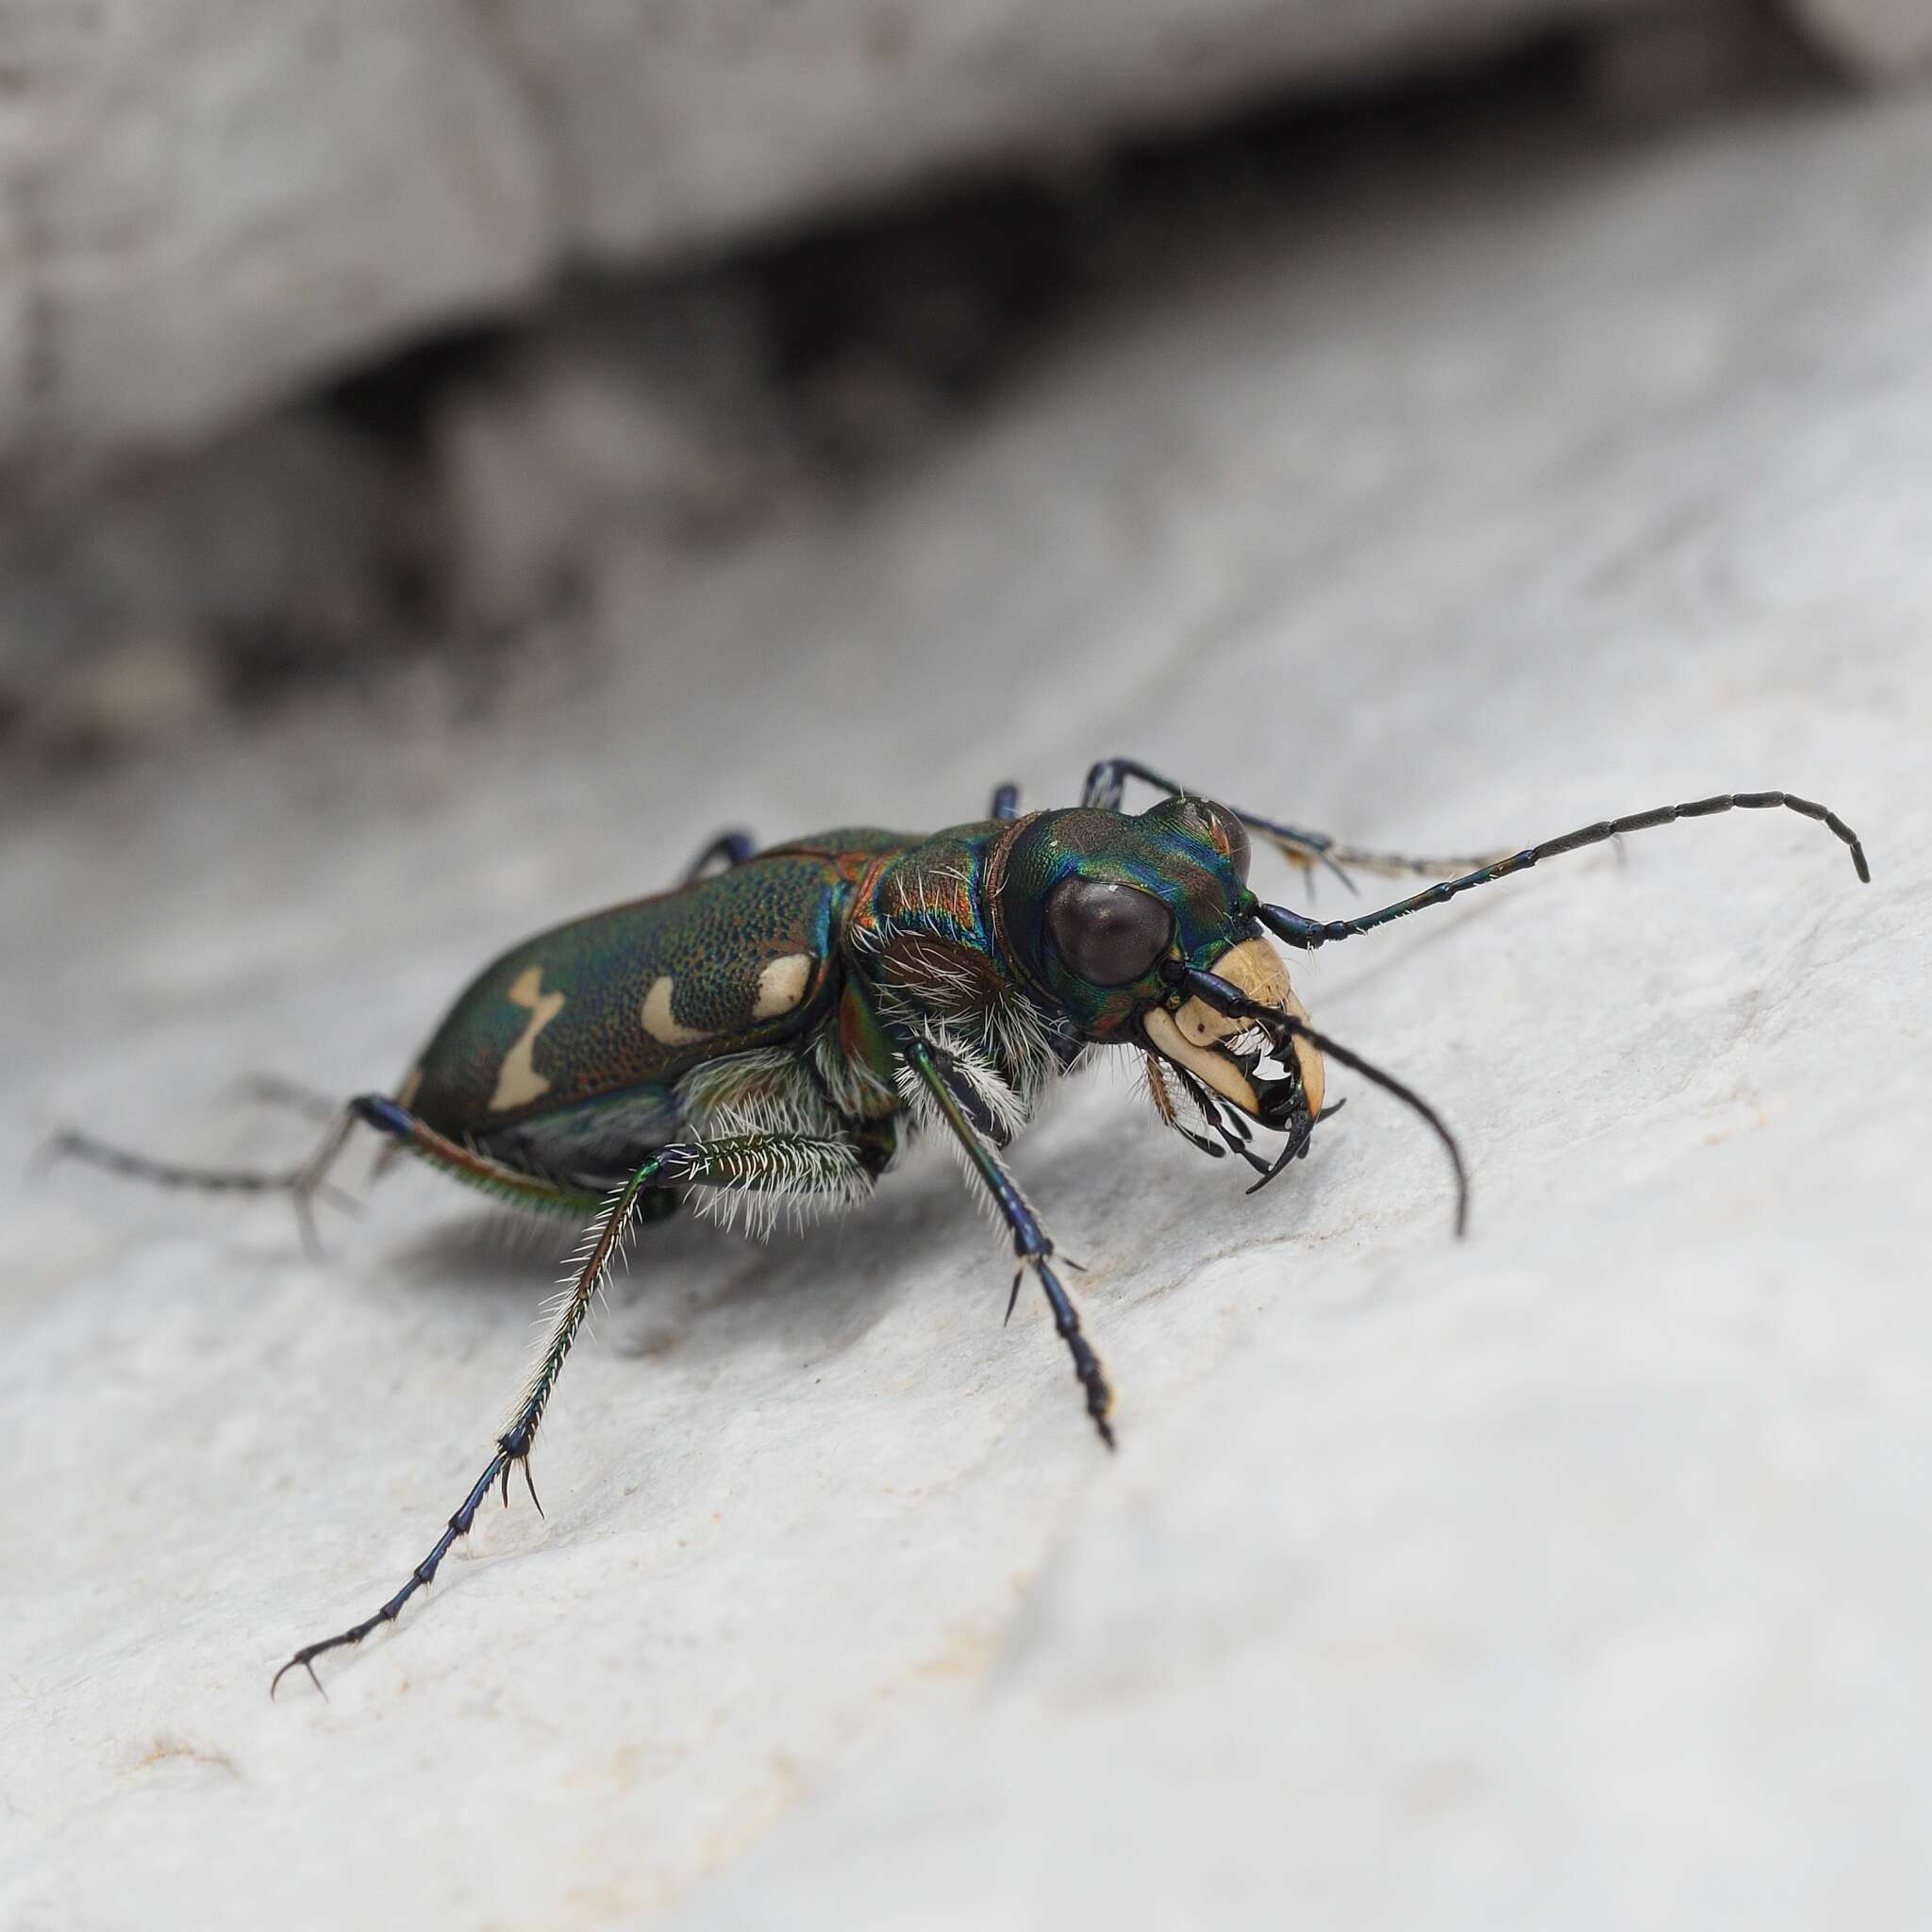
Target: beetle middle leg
(514,1186)
(1298,845)
(788,1162)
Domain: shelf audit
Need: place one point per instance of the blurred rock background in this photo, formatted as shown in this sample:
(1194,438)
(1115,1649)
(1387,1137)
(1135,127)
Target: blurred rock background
(338,337)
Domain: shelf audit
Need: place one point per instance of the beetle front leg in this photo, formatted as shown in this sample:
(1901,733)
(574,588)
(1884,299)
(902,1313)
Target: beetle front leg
(1032,1246)
(1299,846)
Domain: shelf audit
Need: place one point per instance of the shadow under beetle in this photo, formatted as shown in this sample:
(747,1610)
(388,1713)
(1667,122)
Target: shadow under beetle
(766,1036)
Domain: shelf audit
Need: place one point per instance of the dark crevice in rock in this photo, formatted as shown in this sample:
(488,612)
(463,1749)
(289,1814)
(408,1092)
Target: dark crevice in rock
(458,500)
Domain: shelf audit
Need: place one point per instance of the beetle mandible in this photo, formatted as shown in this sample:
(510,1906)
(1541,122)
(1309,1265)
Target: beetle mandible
(769,1035)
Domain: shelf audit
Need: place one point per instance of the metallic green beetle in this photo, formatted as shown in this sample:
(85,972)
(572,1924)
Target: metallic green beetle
(768,1035)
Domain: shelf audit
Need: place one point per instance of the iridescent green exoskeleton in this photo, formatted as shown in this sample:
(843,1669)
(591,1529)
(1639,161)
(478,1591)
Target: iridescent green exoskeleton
(770,1035)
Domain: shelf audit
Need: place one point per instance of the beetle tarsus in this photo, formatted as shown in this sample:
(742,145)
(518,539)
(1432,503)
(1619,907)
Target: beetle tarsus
(304,1184)
(515,1445)
(1087,1368)
(420,1578)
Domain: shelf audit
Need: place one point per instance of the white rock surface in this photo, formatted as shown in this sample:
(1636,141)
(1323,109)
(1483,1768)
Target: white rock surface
(1577,1575)
(207,203)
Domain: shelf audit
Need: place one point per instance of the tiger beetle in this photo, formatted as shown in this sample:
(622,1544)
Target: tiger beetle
(766,1036)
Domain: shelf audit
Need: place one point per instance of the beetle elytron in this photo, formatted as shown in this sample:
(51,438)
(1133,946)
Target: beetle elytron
(767,1035)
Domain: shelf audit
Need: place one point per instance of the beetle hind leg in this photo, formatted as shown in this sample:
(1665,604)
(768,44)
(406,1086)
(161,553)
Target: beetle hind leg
(291,1097)
(309,1182)
(304,1184)
(513,1186)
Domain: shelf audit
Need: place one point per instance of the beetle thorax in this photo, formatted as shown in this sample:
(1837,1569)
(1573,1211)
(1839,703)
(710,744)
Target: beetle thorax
(925,940)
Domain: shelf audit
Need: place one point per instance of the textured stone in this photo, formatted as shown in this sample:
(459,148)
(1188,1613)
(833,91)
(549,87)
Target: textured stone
(211,201)
(272,557)
(1574,1575)
(208,203)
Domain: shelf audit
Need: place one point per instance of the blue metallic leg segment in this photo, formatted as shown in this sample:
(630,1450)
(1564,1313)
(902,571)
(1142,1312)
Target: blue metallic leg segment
(733,848)
(725,1162)
(464,1164)
(1031,1244)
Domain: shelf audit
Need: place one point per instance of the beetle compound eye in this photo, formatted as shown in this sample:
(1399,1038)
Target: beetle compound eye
(1107,934)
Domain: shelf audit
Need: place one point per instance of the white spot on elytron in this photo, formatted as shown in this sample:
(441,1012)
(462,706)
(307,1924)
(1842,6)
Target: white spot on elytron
(519,1082)
(781,985)
(657,1020)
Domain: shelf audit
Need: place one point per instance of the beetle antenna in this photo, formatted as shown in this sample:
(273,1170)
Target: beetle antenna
(1298,930)
(1229,1000)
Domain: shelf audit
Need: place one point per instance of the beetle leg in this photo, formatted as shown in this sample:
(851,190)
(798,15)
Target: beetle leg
(304,1184)
(292,1096)
(729,1162)
(1297,844)
(763,1172)
(603,1243)
(509,1184)
(309,1182)
(733,847)
(1006,803)
(1032,1246)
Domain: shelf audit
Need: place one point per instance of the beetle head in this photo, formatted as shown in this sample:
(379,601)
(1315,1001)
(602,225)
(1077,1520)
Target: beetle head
(1105,913)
